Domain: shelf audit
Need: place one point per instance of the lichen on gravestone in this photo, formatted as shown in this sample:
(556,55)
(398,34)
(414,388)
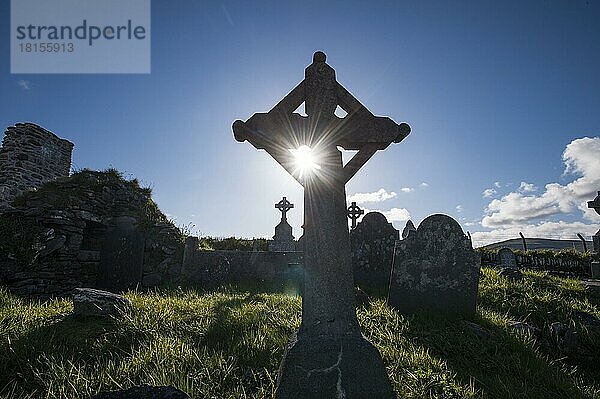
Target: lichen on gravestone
(435,270)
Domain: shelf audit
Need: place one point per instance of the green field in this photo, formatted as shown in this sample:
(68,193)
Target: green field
(228,343)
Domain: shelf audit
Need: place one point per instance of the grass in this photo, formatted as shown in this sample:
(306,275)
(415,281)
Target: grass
(228,343)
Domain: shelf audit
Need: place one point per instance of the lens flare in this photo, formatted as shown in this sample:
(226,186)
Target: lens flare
(306,160)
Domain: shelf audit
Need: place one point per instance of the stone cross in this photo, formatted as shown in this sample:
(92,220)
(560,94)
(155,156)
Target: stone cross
(284,206)
(354,212)
(329,333)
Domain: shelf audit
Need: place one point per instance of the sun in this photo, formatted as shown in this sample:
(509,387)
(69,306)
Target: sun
(306,160)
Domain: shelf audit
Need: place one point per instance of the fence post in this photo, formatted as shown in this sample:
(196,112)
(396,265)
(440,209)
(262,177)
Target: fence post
(583,241)
(524,242)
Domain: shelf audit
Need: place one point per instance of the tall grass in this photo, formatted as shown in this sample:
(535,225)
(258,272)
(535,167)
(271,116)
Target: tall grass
(228,343)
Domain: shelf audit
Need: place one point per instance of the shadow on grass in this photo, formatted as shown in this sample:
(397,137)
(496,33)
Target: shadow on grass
(543,301)
(67,338)
(249,328)
(240,327)
(502,365)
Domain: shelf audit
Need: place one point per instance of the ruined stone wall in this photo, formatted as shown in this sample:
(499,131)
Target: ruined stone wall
(30,156)
(213,268)
(53,239)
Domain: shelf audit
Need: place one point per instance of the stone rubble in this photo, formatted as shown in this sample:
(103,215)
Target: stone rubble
(88,302)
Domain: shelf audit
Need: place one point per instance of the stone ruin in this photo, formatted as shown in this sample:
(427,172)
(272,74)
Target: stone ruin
(30,156)
(435,269)
(372,246)
(209,269)
(93,229)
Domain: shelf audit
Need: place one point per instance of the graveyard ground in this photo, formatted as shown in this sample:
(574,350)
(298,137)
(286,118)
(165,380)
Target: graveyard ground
(228,343)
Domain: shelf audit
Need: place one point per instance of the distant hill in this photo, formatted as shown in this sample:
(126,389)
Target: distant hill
(541,243)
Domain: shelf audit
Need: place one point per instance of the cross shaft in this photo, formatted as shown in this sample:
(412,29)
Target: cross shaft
(329,320)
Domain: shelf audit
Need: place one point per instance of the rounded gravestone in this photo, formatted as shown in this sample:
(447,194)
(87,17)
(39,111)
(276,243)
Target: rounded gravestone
(372,246)
(436,270)
(507,258)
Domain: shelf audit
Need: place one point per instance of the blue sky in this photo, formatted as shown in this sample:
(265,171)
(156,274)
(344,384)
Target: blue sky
(497,93)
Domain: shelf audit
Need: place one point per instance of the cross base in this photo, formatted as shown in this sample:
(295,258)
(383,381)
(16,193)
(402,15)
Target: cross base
(320,367)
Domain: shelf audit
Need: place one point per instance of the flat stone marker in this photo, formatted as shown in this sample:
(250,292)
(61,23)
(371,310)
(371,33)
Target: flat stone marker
(90,302)
(507,258)
(435,270)
(328,357)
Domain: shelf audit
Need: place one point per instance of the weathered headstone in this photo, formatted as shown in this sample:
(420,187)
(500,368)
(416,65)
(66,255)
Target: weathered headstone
(507,258)
(328,357)
(436,270)
(354,213)
(409,228)
(121,256)
(595,205)
(283,240)
(508,263)
(372,244)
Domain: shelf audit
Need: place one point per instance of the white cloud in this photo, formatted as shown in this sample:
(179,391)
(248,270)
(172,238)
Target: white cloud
(459,208)
(516,208)
(529,213)
(407,189)
(25,84)
(527,187)
(377,196)
(488,192)
(397,215)
(393,215)
(423,184)
(497,184)
(580,157)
